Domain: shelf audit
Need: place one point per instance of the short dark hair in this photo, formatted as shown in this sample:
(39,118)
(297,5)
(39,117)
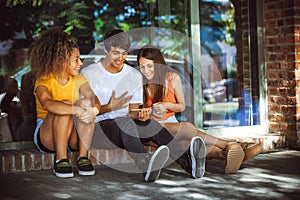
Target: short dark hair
(116,38)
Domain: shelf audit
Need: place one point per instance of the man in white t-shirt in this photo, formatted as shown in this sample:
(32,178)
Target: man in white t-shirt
(119,88)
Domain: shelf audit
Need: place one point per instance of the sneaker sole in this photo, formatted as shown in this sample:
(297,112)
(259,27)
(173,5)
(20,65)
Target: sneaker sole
(157,162)
(198,157)
(64,175)
(234,159)
(86,173)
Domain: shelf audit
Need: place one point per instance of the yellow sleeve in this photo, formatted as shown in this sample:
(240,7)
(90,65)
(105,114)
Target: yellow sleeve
(44,81)
(80,79)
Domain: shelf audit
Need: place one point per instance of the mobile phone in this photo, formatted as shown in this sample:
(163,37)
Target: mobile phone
(134,112)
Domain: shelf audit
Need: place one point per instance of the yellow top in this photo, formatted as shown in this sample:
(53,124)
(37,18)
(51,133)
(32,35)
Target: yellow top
(68,92)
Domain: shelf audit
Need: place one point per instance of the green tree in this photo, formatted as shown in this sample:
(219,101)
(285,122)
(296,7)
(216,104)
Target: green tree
(73,16)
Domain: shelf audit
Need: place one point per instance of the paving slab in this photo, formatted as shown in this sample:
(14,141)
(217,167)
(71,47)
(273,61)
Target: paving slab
(272,175)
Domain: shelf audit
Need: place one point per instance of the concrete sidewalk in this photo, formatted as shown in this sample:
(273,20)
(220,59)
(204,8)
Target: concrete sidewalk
(273,175)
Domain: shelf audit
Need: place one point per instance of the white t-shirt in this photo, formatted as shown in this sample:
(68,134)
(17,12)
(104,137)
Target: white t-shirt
(103,83)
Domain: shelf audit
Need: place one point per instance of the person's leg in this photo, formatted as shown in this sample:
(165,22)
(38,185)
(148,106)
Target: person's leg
(81,135)
(122,133)
(81,138)
(214,152)
(149,163)
(151,130)
(186,130)
(191,158)
(55,133)
(37,137)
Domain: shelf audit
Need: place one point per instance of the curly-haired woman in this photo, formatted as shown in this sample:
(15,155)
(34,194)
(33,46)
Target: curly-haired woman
(66,105)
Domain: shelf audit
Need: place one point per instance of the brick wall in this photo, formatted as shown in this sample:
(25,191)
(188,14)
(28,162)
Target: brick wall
(282,62)
(281,69)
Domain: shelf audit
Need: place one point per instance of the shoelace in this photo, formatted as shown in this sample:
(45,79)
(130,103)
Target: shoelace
(84,162)
(63,164)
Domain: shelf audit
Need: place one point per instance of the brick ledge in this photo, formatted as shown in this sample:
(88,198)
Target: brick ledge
(32,159)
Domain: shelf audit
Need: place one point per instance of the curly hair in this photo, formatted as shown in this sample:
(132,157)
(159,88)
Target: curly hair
(51,51)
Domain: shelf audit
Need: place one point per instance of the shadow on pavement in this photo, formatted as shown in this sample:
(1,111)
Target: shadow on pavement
(273,175)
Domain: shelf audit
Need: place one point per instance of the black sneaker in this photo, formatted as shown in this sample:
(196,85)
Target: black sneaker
(85,167)
(63,169)
(197,155)
(156,163)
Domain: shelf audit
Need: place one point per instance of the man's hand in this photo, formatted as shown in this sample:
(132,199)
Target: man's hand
(120,102)
(88,115)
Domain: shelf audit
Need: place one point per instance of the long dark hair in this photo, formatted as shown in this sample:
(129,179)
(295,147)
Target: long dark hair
(160,71)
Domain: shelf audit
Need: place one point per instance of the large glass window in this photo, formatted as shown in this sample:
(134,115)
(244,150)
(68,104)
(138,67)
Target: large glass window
(196,37)
(218,64)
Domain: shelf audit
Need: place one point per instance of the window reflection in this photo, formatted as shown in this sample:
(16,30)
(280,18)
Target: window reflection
(224,103)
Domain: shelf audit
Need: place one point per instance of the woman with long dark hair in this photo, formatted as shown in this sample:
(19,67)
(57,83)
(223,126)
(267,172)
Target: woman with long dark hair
(164,94)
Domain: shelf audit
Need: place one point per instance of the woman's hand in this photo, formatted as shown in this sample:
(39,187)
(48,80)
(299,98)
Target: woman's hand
(159,109)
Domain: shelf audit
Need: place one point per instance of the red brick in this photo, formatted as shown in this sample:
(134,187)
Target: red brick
(28,160)
(93,156)
(103,156)
(7,161)
(37,161)
(47,160)
(274,127)
(18,161)
(118,156)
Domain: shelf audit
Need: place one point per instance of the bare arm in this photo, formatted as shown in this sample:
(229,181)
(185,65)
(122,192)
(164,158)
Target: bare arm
(115,103)
(54,106)
(88,93)
(179,106)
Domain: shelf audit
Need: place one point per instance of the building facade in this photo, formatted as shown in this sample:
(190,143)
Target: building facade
(268,56)
(261,86)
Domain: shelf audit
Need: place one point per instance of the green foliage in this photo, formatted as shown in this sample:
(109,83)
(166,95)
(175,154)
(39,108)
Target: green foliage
(12,3)
(74,17)
(117,14)
(225,25)
(94,18)
(37,15)
(124,26)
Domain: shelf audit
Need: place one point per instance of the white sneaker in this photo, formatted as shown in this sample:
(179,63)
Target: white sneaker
(198,155)
(156,163)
